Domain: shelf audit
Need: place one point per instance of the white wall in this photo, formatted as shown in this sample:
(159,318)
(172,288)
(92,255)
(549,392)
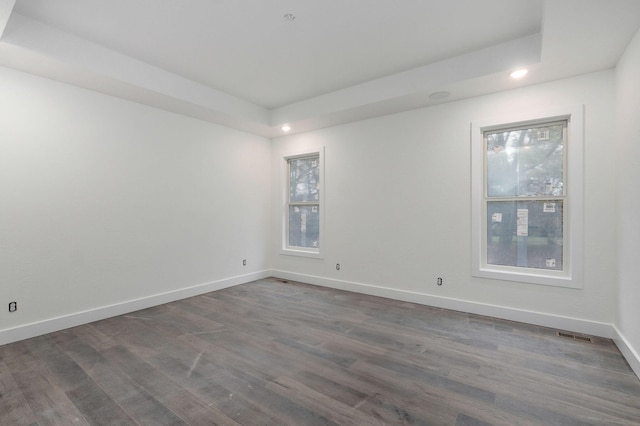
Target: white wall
(398,208)
(108,206)
(105,202)
(628,150)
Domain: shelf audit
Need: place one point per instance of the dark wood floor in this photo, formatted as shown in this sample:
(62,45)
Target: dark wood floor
(275,353)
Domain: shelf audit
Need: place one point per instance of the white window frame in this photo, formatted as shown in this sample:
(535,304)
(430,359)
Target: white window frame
(572,274)
(302,251)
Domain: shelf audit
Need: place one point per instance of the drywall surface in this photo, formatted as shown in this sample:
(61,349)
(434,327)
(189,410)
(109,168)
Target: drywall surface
(105,201)
(628,155)
(397,194)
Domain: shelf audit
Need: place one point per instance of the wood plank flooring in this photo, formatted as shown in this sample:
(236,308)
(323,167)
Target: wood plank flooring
(278,353)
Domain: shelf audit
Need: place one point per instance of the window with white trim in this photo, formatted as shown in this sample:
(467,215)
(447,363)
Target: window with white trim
(303,204)
(527,201)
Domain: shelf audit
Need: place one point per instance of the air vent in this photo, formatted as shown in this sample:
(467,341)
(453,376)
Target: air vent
(575,337)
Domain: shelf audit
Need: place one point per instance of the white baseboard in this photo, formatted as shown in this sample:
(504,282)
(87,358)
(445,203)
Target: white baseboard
(576,325)
(60,323)
(629,353)
(536,318)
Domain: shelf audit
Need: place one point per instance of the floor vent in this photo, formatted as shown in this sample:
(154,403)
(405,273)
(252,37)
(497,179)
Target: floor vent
(575,337)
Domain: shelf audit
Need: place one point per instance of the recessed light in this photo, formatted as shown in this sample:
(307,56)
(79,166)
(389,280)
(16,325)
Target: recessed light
(439,95)
(286,128)
(519,73)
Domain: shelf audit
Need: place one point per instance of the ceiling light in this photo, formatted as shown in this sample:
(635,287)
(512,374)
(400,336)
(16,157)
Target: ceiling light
(519,73)
(288,17)
(285,128)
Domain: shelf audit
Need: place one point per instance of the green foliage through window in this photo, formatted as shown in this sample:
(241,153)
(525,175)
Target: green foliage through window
(303,212)
(524,196)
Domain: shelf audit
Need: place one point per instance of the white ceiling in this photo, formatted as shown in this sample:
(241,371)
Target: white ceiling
(241,64)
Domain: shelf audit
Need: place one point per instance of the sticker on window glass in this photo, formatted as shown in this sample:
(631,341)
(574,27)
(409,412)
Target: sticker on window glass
(314,209)
(549,188)
(551,263)
(522,229)
(496,217)
(542,134)
(549,207)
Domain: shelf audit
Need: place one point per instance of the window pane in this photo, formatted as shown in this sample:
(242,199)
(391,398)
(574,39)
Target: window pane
(304,229)
(526,162)
(304,175)
(525,233)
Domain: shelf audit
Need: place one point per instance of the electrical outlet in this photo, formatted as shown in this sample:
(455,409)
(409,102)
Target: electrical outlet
(13,306)
(244,262)
(337,266)
(439,281)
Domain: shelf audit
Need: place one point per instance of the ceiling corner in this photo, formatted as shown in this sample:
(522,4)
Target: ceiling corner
(6,7)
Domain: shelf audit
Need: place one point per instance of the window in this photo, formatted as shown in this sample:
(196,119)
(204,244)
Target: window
(525,188)
(303,209)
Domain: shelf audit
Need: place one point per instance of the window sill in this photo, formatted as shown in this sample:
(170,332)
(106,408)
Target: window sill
(530,276)
(301,253)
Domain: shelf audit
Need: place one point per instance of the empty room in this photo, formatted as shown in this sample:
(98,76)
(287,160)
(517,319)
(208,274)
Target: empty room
(298,212)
